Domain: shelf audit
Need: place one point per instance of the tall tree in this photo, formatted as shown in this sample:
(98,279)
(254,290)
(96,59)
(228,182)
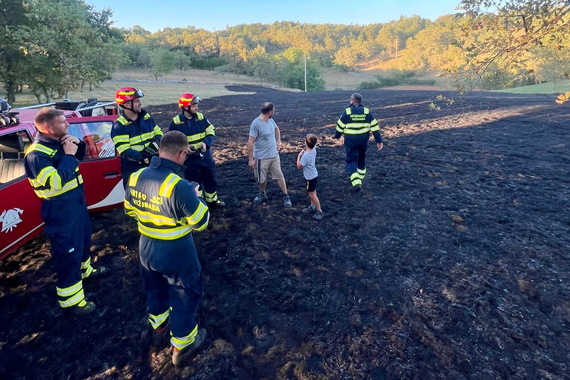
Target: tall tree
(11,55)
(65,43)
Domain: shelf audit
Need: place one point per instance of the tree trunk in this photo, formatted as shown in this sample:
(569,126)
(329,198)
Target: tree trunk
(11,91)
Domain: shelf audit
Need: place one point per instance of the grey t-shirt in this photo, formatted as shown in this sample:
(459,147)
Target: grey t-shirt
(265,145)
(308,160)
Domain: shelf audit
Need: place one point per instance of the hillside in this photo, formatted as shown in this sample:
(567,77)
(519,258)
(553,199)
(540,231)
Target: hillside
(452,262)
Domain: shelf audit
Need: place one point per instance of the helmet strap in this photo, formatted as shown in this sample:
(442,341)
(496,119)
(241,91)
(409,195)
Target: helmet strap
(130,109)
(187,110)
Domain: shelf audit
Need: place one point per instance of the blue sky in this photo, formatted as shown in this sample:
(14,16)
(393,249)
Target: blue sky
(214,15)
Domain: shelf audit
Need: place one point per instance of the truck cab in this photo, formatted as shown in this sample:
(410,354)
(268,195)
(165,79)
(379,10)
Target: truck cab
(20,219)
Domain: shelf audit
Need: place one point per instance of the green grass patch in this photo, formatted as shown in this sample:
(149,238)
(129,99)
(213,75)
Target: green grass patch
(543,88)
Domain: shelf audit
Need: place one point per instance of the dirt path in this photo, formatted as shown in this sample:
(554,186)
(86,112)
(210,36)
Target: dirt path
(453,262)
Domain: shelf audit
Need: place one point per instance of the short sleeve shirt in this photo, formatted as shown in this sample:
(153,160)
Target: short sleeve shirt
(265,145)
(308,161)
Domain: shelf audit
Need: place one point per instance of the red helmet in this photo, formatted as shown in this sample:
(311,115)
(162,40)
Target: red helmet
(187,100)
(127,94)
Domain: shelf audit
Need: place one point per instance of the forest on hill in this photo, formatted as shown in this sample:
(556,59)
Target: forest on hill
(50,49)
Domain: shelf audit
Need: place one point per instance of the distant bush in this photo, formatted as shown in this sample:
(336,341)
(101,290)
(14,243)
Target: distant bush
(396,78)
(388,81)
(369,85)
(421,82)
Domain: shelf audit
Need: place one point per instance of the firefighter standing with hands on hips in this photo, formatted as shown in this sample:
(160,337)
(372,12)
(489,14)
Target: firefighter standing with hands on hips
(167,210)
(52,167)
(135,133)
(200,165)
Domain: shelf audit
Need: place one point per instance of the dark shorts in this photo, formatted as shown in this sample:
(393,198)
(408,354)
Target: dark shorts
(311,184)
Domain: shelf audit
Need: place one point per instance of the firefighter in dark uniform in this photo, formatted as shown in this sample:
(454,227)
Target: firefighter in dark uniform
(200,166)
(356,123)
(135,133)
(167,210)
(52,167)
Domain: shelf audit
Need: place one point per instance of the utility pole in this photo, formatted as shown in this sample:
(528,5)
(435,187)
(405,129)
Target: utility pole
(305,71)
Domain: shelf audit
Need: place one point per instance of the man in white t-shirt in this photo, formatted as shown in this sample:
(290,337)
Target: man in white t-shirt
(263,152)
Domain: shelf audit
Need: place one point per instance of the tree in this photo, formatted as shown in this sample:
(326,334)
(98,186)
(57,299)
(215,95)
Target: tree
(162,61)
(63,44)
(293,70)
(518,26)
(11,56)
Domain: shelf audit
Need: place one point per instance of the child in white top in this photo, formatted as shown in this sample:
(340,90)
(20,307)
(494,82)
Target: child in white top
(306,160)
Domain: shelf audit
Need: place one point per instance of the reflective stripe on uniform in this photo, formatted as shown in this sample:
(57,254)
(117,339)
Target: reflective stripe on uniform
(183,342)
(135,177)
(155,225)
(164,234)
(357,127)
(57,188)
(48,183)
(168,185)
(195,218)
(86,268)
(137,143)
(70,296)
(157,320)
(210,197)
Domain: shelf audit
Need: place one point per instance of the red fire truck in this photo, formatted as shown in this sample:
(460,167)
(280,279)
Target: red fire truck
(20,219)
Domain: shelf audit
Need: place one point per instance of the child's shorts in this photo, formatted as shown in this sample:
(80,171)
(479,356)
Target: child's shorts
(311,184)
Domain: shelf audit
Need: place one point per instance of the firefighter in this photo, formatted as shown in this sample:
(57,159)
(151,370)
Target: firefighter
(356,123)
(135,133)
(167,210)
(200,166)
(52,167)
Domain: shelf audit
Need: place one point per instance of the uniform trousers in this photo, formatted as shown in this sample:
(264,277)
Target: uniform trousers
(202,170)
(172,277)
(68,226)
(355,147)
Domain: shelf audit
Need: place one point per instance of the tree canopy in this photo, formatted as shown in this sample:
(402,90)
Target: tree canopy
(55,46)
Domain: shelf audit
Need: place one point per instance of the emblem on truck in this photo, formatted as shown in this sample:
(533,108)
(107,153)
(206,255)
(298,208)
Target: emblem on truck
(10,219)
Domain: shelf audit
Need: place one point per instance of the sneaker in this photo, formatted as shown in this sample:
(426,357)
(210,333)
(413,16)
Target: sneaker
(98,272)
(160,336)
(309,210)
(88,308)
(218,203)
(318,215)
(357,188)
(287,201)
(262,196)
(179,356)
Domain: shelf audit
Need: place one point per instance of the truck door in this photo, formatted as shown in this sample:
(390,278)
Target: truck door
(20,218)
(101,169)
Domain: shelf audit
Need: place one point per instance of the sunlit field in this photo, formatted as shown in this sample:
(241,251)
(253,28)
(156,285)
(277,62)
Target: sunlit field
(208,84)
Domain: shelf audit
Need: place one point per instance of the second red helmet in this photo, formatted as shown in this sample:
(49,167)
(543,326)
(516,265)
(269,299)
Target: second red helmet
(187,100)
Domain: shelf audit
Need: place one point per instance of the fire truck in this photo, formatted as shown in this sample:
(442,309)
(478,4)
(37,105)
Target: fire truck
(91,121)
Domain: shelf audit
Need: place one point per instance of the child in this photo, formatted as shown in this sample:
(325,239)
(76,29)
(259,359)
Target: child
(306,161)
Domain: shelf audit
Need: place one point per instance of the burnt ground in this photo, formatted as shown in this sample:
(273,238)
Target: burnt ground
(452,263)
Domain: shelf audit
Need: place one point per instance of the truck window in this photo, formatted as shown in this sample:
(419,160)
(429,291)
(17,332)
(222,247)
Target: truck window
(12,151)
(97,137)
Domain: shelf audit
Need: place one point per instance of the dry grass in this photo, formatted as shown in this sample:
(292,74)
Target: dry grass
(206,84)
(342,80)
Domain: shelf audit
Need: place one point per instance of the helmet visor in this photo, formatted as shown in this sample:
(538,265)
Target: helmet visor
(138,94)
(195,100)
